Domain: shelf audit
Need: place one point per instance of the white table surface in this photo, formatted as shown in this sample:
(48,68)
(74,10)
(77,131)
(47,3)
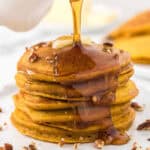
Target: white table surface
(11,47)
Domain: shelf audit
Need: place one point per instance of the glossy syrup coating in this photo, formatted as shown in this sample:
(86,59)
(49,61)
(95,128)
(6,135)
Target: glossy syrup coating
(71,63)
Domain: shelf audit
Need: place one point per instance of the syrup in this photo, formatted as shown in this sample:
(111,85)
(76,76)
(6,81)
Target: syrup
(100,97)
(76,12)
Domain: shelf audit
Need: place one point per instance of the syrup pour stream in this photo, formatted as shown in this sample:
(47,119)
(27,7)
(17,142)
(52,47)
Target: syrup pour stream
(76,11)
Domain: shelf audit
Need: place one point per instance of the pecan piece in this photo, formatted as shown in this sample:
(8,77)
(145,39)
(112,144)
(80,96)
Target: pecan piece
(116,56)
(99,144)
(33,57)
(0,109)
(136,106)
(25,148)
(108,43)
(136,146)
(32,146)
(62,142)
(144,126)
(8,146)
(75,146)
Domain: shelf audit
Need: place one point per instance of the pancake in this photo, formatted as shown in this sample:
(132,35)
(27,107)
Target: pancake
(68,115)
(139,51)
(123,95)
(25,125)
(137,25)
(83,65)
(102,124)
(71,92)
(134,37)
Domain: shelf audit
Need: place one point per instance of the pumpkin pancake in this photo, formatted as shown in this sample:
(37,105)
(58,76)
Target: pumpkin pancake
(99,125)
(71,92)
(102,124)
(134,36)
(84,63)
(139,24)
(139,51)
(68,115)
(25,125)
(123,95)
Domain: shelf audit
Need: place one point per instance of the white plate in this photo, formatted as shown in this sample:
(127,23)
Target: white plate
(11,135)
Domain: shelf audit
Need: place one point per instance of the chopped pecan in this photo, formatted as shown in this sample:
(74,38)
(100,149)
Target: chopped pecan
(144,126)
(1,128)
(108,43)
(107,46)
(99,144)
(62,142)
(116,56)
(25,148)
(32,146)
(136,146)
(8,146)
(0,109)
(108,50)
(109,140)
(49,59)
(5,124)
(136,106)
(33,57)
(75,146)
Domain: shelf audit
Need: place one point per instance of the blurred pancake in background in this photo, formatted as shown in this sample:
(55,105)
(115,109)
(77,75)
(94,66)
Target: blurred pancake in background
(134,36)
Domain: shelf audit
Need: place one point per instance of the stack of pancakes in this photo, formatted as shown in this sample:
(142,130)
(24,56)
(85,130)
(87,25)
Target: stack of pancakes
(134,36)
(76,93)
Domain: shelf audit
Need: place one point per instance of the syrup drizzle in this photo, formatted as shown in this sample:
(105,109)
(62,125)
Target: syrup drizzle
(111,131)
(76,6)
